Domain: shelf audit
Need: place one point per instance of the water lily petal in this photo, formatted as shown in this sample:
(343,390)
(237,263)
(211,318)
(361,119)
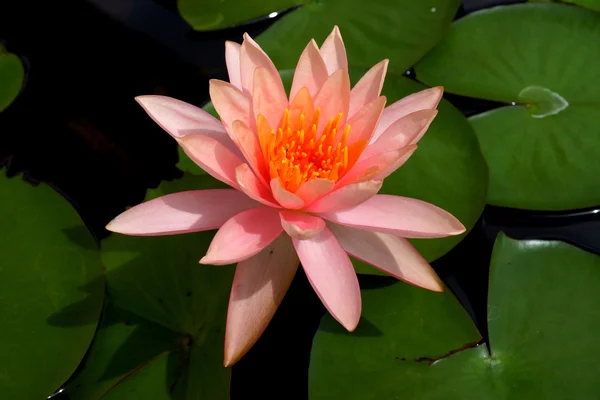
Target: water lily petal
(300,225)
(314,189)
(268,97)
(368,87)
(232,59)
(231,105)
(405,131)
(302,103)
(334,98)
(285,198)
(363,123)
(427,99)
(243,236)
(210,155)
(252,186)
(252,57)
(250,147)
(333,52)
(331,274)
(183,212)
(400,216)
(346,197)
(311,71)
(377,167)
(390,254)
(259,284)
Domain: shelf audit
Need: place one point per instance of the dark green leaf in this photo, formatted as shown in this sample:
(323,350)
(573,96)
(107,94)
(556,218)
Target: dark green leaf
(209,15)
(542,327)
(401,30)
(11,77)
(542,151)
(159,279)
(51,290)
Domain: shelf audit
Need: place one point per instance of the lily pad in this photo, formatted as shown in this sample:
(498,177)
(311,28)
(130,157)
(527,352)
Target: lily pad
(401,30)
(542,151)
(543,341)
(591,4)
(187,165)
(51,290)
(159,279)
(209,15)
(11,77)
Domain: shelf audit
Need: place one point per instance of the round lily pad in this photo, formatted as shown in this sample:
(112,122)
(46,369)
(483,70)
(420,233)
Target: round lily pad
(543,341)
(542,150)
(401,30)
(208,15)
(159,279)
(51,289)
(591,4)
(11,77)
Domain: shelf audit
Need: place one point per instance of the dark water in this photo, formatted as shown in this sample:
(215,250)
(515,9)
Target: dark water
(76,126)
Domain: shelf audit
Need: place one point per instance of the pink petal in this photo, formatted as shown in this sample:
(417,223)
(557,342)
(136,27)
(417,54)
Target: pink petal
(252,57)
(334,98)
(250,147)
(243,236)
(231,104)
(212,156)
(179,118)
(368,87)
(390,254)
(399,158)
(259,284)
(331,274)
(405,131)
(311,71)
(268,96)
(333,52)
(300,225)
(252,187)
(400,216)
(378,166)
(314,189)
(427,99)
(232,59)
(363,123)
(285,198)
(347,197)
(183,212)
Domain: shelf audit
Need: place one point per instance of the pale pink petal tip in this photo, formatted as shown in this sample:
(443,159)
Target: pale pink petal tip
(301,225)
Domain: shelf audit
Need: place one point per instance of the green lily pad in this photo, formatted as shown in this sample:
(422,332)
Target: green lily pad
(591,4)
(51,290)
(187,165)
(124,348)
(209,15)
(542,330)
(542,151)
(11,77)
(401,30)
(159,279)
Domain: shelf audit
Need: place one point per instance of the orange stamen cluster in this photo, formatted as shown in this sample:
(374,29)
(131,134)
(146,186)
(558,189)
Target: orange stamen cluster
(296,155)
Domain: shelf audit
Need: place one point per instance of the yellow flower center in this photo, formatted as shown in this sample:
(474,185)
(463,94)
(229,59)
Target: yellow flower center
(299,151)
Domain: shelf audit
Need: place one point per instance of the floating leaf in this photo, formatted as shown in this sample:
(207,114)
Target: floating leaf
(401,30)
(542,331)
(159,279)
(11,77)
(51,290)
(543,151)
(208,15)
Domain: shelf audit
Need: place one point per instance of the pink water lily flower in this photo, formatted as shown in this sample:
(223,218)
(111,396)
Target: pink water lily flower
(304,172)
